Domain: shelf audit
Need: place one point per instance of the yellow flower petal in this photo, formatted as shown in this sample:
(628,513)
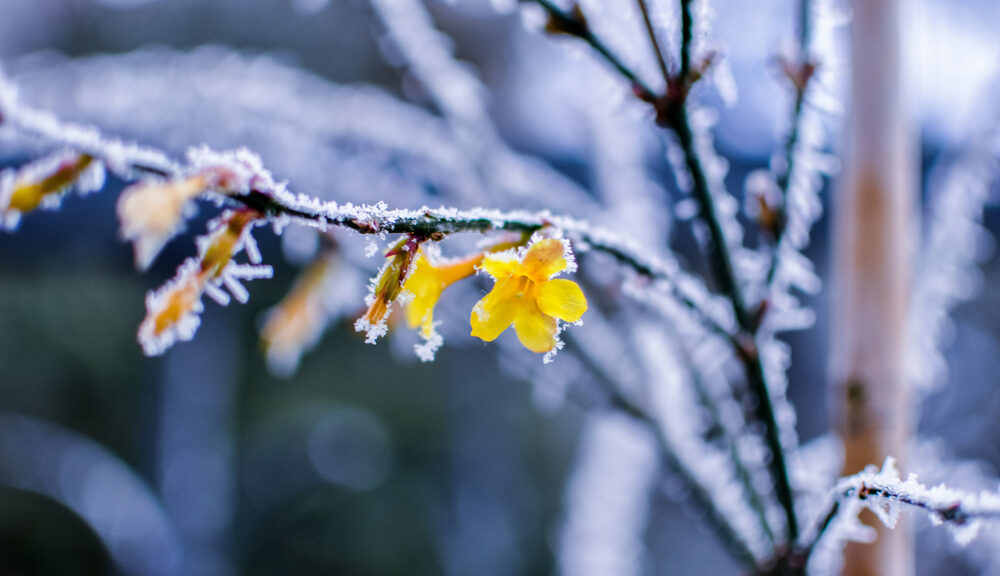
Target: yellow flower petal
(426,288)
(27,195)
(497,310)
(562,299)
(535,330)
(427,282)
(501,265)
(223,243)
(544,259)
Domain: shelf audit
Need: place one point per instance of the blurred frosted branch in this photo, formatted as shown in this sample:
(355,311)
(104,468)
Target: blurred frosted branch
(716,515)
(607,513)
(947,271)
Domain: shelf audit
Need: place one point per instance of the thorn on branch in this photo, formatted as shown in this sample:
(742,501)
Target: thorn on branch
(746,347)
(798,72)
(572,23)
(760,314)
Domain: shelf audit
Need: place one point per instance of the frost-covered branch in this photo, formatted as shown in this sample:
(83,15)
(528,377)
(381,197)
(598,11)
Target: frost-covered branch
(717,518)
(253,186)
(885,494)
(574,23)
(785,199)
(947,266)
(672,113)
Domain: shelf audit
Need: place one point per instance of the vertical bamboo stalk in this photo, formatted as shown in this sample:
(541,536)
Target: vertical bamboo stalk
(873,230)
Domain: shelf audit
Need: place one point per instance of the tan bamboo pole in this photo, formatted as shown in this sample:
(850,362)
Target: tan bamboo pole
(873,234)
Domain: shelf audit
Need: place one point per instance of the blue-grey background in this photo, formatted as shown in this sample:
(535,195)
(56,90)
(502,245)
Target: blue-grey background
(366,462)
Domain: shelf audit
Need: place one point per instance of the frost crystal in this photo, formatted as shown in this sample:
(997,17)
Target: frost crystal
(429,347)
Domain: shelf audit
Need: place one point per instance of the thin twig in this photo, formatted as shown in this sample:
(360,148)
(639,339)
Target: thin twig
(687,35)
(733,541)
(799,557)
(725,275)
(799,73)
(651,32)
(571,24)
(943,504)
(729,439)
(805,28)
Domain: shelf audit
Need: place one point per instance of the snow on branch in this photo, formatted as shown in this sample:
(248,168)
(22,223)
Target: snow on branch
(886,495)
(244,179)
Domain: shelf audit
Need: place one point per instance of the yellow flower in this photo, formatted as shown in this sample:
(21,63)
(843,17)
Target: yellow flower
(172,311)
(151,213)
(427,282)
(297,322)
(526,296)
(390,282)
(29,191)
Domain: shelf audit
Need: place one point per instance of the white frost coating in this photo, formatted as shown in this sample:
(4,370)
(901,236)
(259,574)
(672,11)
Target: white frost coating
(378,218)
(683,424)
(89,180)
(10,218)
(182,330)
(607,501)
(120,157)
(886,495)
(621,179)
(427,349)
(216,293)
(375,144)
(452,86)
(803,206)
(776,358)
(232,171)
(189,280)
(956,242)
(620,26)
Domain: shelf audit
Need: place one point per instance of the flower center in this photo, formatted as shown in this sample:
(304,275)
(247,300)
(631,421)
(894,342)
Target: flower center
(524,286)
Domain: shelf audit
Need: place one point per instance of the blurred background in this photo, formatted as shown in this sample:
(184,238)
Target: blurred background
(365,461)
